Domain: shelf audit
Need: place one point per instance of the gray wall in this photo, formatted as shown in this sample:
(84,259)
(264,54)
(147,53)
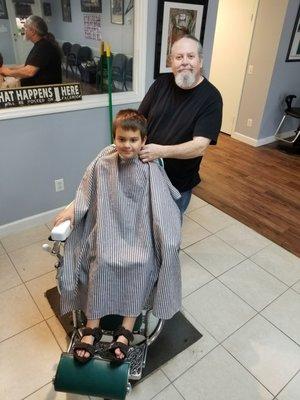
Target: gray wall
(285,78)
(6,44)
(120,37)
(37,150)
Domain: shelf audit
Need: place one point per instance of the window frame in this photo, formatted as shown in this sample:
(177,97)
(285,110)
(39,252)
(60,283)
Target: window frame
(101,100)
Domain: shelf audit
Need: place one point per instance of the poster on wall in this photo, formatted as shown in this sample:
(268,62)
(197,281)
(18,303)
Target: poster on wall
(66,10)
(92,26)
(47,9)
(3,10)
(174,19)
(92,6)
(293,53)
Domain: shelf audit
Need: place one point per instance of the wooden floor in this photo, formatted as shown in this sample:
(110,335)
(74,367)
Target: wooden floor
(260,187)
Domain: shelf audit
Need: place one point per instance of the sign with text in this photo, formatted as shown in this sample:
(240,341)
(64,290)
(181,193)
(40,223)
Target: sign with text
(28,96)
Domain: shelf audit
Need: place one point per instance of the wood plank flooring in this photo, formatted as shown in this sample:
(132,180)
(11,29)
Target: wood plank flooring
(260,187)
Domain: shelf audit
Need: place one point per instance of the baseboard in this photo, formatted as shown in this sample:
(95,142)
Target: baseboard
(29,222)
(251,141)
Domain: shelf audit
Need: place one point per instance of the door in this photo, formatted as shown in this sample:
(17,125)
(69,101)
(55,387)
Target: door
(22,47)
(233,34)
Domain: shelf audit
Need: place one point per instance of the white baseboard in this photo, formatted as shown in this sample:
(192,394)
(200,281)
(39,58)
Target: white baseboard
(29,222)
(251,141)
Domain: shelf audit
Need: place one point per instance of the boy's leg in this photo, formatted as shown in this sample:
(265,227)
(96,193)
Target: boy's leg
(128,323)
(89,339)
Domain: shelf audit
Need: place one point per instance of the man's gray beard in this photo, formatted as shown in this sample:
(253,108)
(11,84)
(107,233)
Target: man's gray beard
(185,79)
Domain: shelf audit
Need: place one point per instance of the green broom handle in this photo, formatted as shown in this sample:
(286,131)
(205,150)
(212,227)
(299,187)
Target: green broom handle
(108,58)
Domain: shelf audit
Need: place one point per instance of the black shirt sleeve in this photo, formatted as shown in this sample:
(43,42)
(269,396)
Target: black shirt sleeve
(208,122)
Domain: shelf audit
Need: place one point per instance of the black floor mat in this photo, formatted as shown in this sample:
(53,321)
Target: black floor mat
(177,335)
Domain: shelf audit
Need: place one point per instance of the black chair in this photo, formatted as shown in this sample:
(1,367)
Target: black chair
(66,48)
(128,74)
(72,59)
(85,64)
(118,72)
(289,139)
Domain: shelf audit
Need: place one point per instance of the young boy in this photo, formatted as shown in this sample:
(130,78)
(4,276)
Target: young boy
(125,243)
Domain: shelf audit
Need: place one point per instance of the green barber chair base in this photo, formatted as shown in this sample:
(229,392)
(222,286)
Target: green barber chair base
(97,377)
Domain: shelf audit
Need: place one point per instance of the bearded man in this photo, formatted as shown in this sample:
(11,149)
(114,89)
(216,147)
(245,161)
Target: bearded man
(184,114)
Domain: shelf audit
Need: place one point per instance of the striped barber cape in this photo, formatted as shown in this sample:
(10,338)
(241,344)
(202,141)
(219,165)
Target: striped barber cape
(124,248)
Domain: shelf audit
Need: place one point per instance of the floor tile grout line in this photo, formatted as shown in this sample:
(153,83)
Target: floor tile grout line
(215,276)
(35,391)
(298,372)
(53,334)
(23,330)
(26,245)
(290,286)
(192,365)
(285,291)
(258,311)
(279,329)
(238,361)
(30,294)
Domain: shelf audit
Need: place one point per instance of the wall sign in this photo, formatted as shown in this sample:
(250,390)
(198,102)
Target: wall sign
(27,96)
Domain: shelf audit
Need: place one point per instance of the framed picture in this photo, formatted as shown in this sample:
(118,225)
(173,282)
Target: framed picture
(66,10)
(3,10)
(92,6)
(174,19)
(117,12)
(293,53)
(129,6)
(47,9)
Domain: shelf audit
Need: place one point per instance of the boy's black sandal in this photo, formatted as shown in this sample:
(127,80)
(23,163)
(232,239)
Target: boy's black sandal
(120,331)
(90,348)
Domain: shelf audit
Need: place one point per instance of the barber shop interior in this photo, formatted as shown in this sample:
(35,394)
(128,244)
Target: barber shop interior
(150,199)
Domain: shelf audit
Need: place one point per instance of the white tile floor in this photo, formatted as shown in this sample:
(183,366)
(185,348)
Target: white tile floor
(240,290)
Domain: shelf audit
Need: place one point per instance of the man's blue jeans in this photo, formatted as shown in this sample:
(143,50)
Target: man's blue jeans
(183,202)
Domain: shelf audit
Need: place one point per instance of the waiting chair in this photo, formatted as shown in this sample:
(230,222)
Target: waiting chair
(128,74)
(72,59)
(290,138)
(84,63)
(66,48)
(118,72)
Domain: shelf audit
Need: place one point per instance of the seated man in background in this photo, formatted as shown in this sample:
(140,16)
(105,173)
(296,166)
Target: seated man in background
(43,64)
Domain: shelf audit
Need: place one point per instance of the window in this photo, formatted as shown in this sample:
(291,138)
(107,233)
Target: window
(127,40)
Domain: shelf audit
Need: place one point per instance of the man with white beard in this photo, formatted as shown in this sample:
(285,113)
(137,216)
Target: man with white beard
(184,114)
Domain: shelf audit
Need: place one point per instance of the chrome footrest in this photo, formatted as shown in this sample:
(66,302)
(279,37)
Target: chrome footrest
(136,357)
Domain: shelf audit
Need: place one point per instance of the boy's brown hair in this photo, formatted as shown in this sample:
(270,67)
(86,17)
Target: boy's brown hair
(130,120)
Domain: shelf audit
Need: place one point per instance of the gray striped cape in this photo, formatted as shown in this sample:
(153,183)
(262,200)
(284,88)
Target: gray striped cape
(124,248)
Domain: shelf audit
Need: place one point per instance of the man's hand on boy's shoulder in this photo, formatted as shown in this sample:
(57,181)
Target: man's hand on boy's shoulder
(150,152)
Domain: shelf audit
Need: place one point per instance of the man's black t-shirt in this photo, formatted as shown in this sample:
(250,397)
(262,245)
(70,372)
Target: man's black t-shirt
(46,56)
(175,116)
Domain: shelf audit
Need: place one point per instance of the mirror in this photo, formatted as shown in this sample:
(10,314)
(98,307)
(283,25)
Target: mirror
(80,27)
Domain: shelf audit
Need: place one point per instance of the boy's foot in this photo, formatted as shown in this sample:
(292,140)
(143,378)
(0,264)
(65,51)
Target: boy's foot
(84,349)
(120,346)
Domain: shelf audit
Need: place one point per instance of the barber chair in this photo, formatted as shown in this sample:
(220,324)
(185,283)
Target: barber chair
(289,140)
(100,376)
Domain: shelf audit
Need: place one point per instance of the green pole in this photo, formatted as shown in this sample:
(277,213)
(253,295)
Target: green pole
(108,58)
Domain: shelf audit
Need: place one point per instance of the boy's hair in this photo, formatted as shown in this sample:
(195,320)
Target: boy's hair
(130,120)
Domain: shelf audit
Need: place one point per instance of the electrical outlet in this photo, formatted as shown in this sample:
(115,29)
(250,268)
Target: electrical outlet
(59,185)
(249,122)
(250,69)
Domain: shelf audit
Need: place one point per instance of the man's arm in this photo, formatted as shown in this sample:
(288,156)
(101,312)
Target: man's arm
(191,149)
(27,71)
